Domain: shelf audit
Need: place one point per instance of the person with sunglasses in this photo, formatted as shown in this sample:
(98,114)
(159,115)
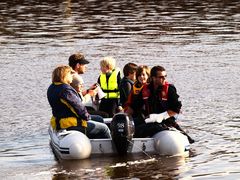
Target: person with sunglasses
(158,103)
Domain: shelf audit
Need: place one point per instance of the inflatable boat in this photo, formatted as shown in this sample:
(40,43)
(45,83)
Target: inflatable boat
(76,145)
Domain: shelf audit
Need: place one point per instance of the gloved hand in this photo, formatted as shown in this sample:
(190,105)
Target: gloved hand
(152,118)
(157,117)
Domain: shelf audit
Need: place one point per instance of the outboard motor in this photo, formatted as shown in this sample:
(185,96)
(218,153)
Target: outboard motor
(122,129)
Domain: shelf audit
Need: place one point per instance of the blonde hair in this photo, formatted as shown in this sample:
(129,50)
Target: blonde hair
(109,62)
(60,72)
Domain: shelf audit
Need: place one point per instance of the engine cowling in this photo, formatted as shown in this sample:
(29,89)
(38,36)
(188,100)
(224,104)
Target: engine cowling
(122,129)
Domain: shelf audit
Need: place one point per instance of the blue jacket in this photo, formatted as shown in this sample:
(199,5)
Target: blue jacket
(66,105)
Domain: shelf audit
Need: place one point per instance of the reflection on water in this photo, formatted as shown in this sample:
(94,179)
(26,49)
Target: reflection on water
(125,167)
(196,41)
(68,20)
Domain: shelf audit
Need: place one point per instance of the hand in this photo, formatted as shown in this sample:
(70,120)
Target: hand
(94,86)
(120,109)
(152,118)
(91,93)
(157,117)
(149,120)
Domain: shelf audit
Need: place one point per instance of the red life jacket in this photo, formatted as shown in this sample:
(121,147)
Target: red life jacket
(146,94)
(165,91)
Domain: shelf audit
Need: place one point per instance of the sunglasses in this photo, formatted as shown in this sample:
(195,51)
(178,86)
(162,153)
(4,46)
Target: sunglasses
(161,77)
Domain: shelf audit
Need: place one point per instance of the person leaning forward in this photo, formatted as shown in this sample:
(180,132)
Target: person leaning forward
(79,63)
(67,109)
(159,103)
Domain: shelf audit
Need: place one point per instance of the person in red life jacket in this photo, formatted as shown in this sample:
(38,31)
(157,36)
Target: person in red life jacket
(67,109)
(159,103)
(129,71)
(109,80)
(142,78)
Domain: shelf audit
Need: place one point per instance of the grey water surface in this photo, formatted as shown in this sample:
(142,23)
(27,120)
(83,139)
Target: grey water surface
(198,42)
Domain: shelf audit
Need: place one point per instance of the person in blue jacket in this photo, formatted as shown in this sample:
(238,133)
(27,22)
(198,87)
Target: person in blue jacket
(67,109)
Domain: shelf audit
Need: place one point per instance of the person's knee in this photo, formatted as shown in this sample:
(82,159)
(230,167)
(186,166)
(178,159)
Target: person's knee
(105,127)
(106,131)
(97,118)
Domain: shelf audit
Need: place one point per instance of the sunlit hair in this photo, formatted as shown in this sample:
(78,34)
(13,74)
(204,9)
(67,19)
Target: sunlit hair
(60,72)
(109,62)
(140,70)
(77,80)
(129,68)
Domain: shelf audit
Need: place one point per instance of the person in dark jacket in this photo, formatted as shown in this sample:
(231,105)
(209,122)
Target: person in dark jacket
(129,72)
(159,104)
(78,84)
(67,109)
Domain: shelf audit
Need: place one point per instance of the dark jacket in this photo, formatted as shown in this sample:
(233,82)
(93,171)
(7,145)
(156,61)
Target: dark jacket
(125,89)
(155,102)
(65,102)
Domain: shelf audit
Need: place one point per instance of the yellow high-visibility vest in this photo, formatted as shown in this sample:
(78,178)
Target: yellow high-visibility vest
(110,87)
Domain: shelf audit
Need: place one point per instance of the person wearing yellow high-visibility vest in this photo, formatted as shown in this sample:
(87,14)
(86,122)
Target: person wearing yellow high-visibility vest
(109,80)
(68,112)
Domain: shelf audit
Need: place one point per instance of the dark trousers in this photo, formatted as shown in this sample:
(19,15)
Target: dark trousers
(109,106)
(148,129)
(92,111)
